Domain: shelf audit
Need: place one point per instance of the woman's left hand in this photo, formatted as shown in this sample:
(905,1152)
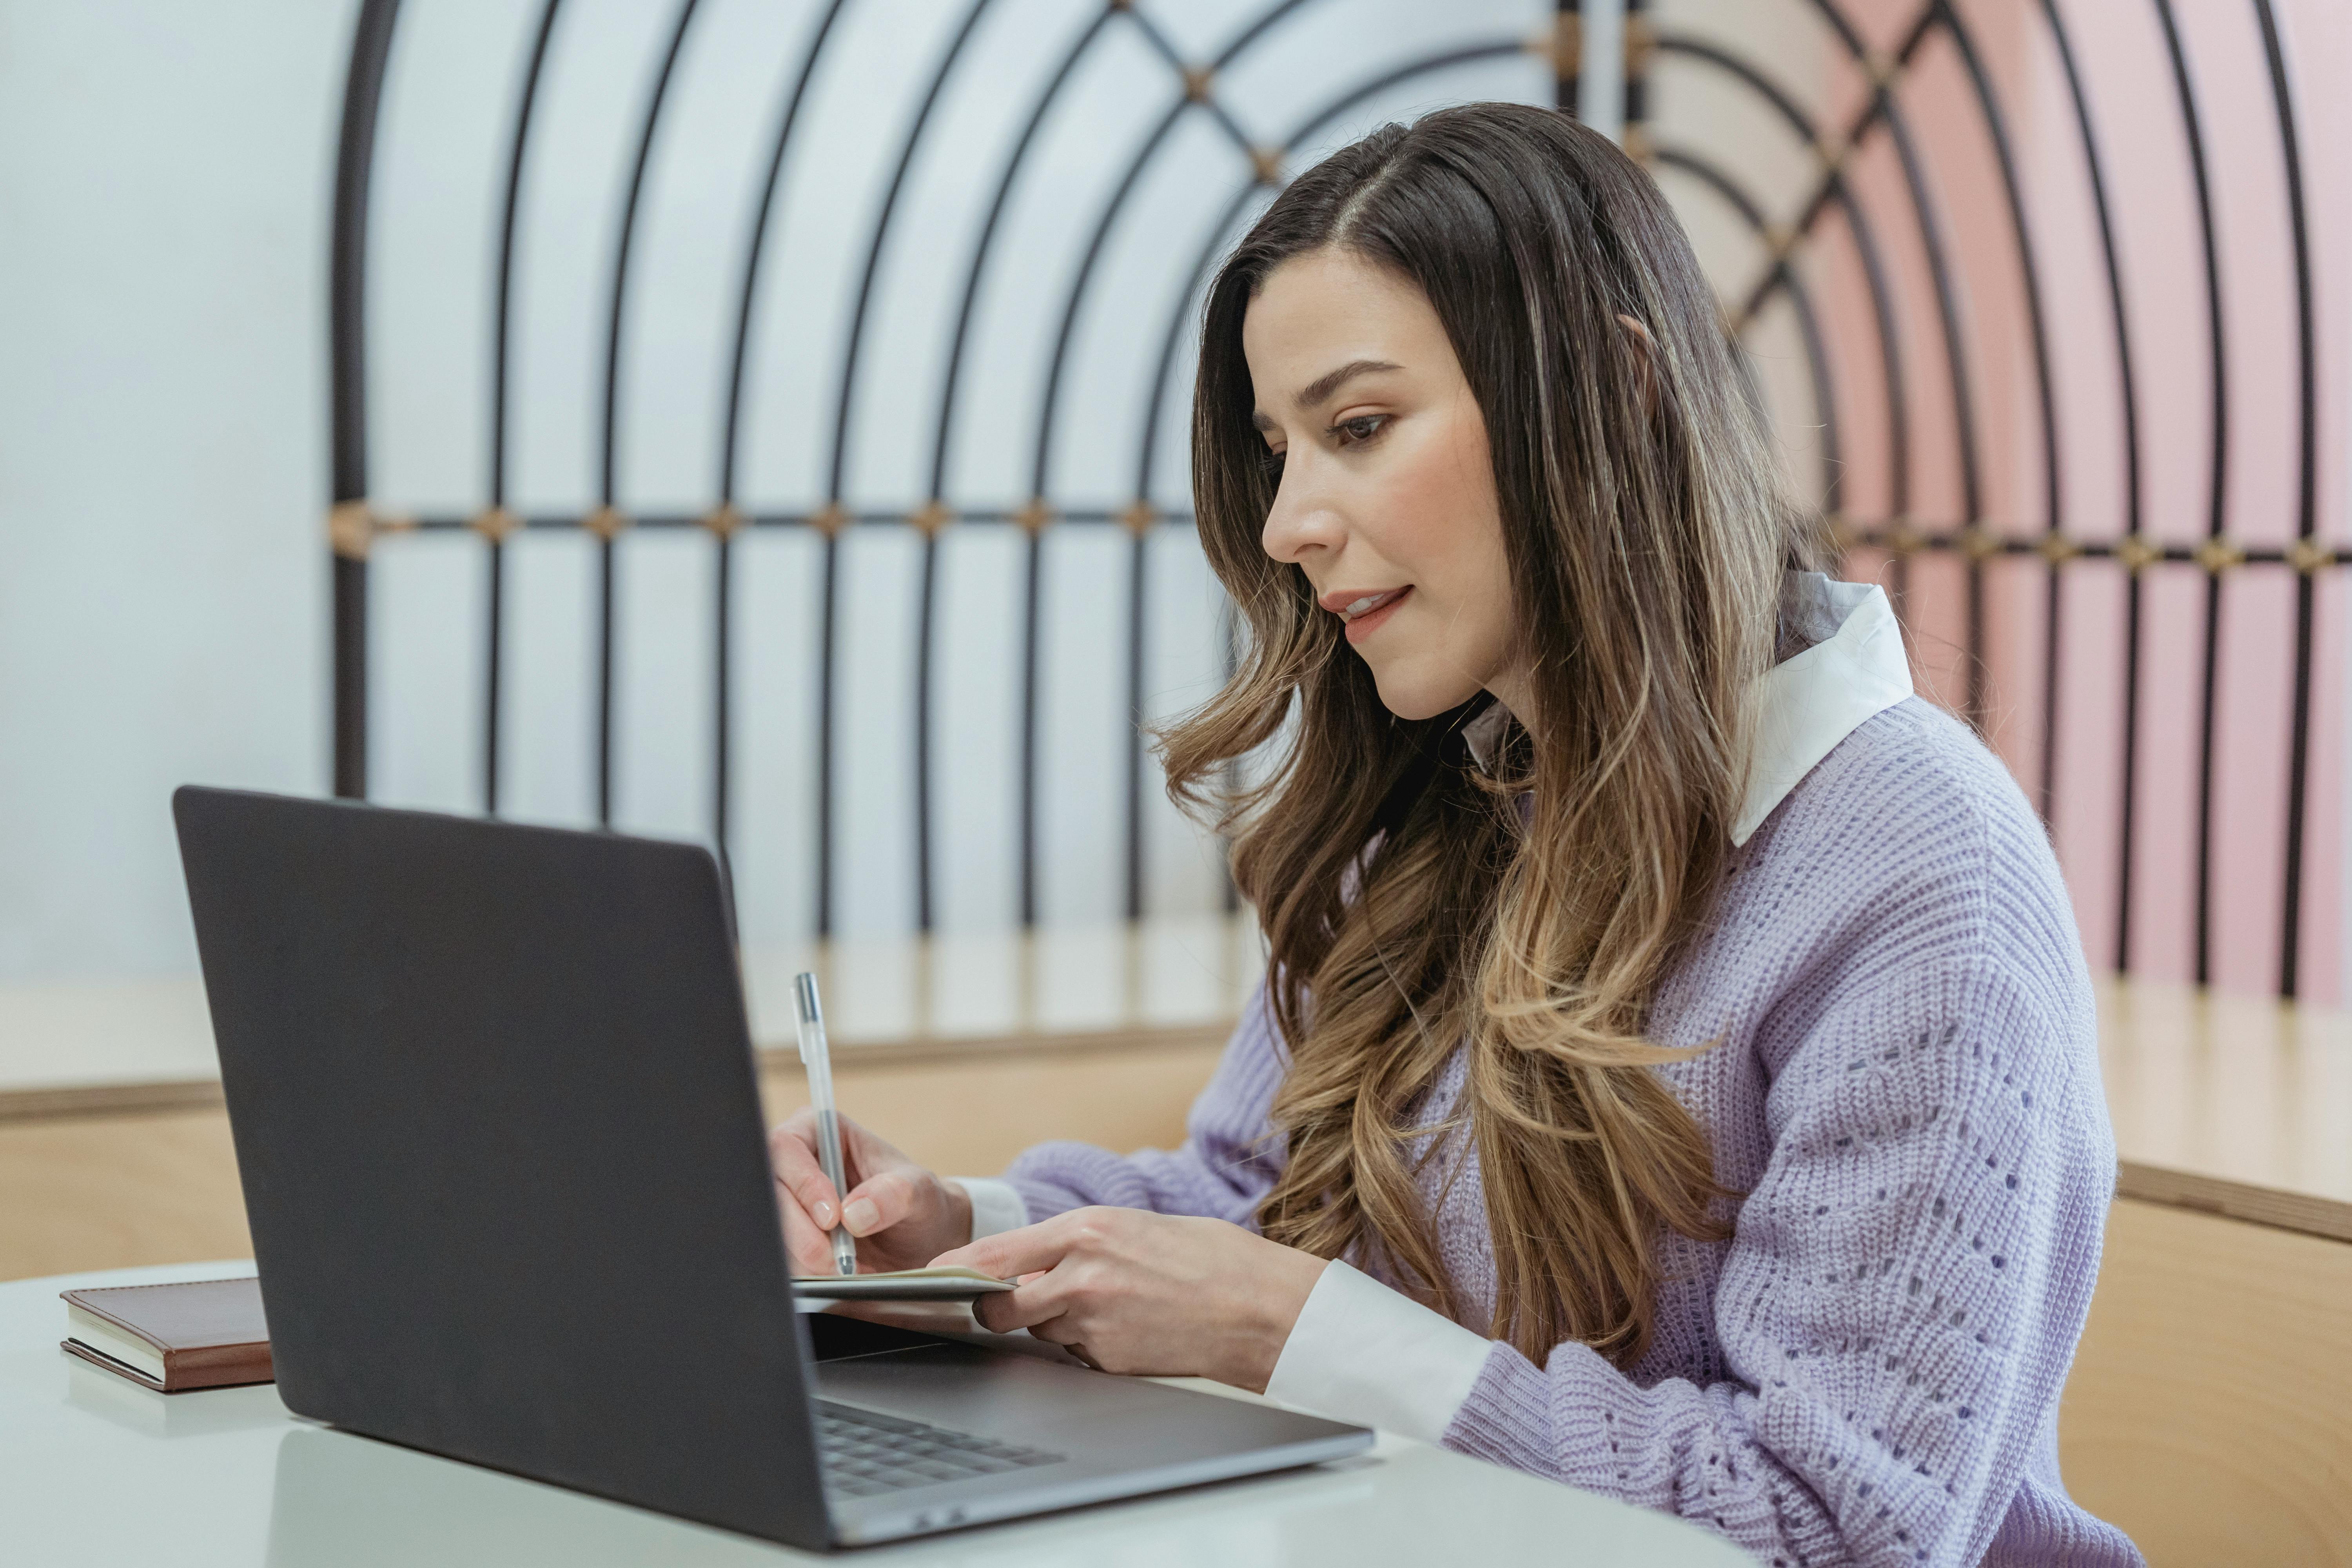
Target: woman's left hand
(1131,1291)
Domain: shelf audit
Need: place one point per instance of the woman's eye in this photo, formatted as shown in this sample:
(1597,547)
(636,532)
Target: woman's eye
(1363,428)
(1272,465)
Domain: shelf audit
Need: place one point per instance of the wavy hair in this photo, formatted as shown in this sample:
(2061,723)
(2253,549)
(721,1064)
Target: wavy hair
(1413,904)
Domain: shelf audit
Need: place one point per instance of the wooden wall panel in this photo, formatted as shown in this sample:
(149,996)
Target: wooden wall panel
(2210,1410)
(970,1119)
(112,1192)
(88,1191)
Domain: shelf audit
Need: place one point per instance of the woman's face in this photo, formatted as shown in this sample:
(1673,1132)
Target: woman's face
(1387,498)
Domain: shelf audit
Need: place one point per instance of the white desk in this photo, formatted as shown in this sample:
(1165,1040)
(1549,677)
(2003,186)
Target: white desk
(96,1470)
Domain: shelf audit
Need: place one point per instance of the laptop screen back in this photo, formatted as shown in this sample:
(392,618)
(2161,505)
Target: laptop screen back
(498,1123)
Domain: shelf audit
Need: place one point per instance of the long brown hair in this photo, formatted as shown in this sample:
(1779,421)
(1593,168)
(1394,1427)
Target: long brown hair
(1409,906)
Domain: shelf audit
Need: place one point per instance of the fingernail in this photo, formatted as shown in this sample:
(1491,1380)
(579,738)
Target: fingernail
(860,1214)
(823,1214)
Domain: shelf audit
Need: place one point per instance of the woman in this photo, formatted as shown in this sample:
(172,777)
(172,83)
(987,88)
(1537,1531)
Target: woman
(1676,1073)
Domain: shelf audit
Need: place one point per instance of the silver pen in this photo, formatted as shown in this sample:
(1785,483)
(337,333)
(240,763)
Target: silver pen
(818,1061)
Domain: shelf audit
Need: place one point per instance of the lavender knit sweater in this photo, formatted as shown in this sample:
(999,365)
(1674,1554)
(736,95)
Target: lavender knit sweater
(1907,1092)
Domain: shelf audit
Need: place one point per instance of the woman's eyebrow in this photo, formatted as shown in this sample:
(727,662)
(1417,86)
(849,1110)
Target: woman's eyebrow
(1318,391)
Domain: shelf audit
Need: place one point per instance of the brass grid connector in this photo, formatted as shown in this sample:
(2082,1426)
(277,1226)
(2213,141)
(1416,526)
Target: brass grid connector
(350,528)
(2309,556)
(1640,43)
(2217,556)
(606,523)
(1562,44)
(930,517)
(495,523)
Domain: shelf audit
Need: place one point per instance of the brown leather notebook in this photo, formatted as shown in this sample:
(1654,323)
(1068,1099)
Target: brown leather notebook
(204,1333)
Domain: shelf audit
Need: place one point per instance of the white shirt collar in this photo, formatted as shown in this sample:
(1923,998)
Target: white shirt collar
(1483,733)
(1807,703)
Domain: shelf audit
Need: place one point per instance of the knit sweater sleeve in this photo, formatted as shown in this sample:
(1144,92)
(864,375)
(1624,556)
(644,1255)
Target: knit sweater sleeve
(1228,1161)
(1900,1300)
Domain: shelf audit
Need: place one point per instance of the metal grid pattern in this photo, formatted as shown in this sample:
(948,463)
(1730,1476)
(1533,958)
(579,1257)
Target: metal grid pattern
(1902,533)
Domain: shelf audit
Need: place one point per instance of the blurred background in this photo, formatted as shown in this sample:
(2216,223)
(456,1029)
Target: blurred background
(763,421)
(1024,190)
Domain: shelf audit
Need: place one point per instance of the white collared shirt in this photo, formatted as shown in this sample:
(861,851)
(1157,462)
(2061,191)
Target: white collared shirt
(1365,1354)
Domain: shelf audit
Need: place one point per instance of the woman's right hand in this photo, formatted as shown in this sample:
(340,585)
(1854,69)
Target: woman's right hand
(902,1214)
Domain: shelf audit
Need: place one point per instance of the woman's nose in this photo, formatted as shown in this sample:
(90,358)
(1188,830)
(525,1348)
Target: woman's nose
(1301,517)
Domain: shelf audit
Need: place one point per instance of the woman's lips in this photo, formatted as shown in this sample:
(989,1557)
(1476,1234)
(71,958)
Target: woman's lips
(1365,616)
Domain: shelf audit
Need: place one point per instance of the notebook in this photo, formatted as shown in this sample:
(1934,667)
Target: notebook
(210,1334)
(904,1284)
(201,1333)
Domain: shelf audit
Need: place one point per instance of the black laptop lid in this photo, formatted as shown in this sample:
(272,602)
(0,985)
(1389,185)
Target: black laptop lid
(497,1119)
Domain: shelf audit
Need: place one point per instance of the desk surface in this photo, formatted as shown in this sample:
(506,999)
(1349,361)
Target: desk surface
(95,1469)
(2235,1105)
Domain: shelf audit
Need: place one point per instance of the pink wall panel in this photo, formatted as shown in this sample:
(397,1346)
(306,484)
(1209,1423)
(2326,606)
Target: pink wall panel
(2127,76)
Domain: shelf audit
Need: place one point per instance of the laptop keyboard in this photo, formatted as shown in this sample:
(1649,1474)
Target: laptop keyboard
(865,1453)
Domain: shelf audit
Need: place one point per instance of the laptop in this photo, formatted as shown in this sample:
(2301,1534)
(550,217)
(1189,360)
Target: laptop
(494,1101)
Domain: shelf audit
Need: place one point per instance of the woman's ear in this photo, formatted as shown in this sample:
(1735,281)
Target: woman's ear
(1645,362)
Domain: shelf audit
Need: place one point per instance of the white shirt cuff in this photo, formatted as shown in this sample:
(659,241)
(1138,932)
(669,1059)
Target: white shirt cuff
(1364,1354)
(996,1207)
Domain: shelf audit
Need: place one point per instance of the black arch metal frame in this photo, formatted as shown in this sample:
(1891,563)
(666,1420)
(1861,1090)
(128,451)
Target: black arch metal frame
(354,522)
